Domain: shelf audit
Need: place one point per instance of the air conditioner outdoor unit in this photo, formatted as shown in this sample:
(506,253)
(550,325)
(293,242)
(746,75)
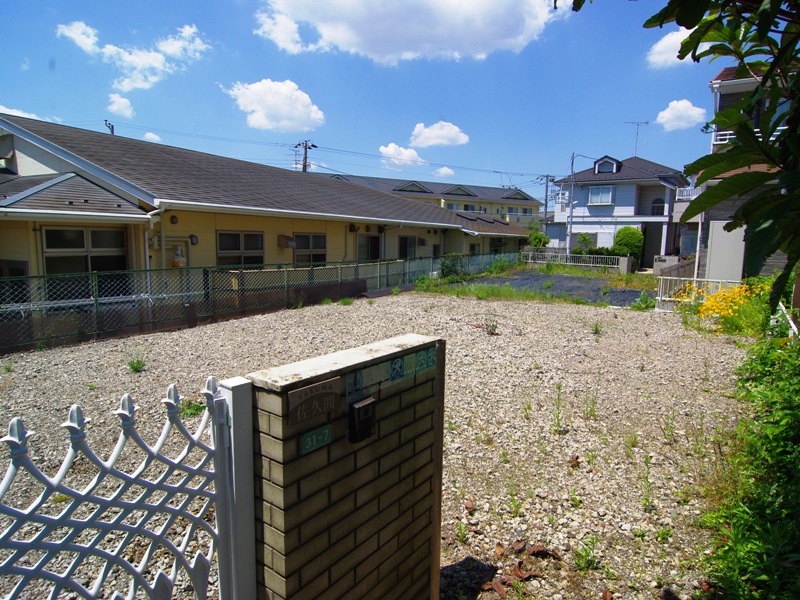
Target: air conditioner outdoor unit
(284,241)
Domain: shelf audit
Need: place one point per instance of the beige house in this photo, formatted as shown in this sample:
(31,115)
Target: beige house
(510,204)
(73,201)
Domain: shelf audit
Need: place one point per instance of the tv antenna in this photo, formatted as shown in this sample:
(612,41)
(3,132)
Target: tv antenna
(638,124)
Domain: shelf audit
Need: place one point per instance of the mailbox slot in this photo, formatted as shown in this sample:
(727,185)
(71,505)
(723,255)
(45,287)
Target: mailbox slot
(361,420)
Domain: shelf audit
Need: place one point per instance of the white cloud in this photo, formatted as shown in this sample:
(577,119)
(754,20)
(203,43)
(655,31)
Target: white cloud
(444,172)
(85,37)
(388,32)
(680,114)
(276,105)
(18,113)
(141,69)
(664,53)
(439,134)
(151,137)
(119,105)
(398,158)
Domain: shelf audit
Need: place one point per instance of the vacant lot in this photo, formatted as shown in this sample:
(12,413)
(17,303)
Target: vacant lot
(589,431)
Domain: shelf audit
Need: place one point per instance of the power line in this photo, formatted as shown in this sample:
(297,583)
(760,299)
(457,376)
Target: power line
(504,175)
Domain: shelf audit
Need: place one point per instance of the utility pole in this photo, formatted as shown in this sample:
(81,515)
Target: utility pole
(638,124)
(548,179)
(305,145)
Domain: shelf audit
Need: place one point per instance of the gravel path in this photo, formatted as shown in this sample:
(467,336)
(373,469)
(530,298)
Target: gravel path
(572,426)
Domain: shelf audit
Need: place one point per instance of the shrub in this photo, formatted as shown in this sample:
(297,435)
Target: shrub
(631,240)
(584,241)
(644,302)
(452,266)
(757,544)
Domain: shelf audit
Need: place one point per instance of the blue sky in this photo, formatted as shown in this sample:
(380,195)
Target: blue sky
(491,92)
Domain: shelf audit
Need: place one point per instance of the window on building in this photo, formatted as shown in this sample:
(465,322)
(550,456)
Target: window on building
(15,290)
(369,247)
(240,248)
(495,245)
(601,194)
(513,210)
(470,208)
(527,211)
(81,250)
(85,250)
(657,208)
(310,248)
(437,250)
(453,206)
(406,246)
(606,166)
(474,249)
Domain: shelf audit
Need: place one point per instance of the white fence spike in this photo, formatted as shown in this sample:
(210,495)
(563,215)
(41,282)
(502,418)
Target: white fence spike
(126,410)
(172,400)
(75,423)
(17,438)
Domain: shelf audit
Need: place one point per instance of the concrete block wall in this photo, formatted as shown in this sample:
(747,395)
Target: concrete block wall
(341,519)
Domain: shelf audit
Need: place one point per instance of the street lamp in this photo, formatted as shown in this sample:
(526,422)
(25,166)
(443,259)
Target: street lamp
(571,196)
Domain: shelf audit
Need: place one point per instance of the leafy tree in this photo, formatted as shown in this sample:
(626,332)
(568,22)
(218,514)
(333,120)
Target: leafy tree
(631,240)
(536,237)
(761,165)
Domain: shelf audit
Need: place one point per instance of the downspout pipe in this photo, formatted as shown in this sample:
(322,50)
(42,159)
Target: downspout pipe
(153,215)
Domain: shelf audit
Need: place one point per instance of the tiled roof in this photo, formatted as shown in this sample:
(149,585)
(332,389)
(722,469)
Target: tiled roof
(633,169)
(64,192)
(213,182)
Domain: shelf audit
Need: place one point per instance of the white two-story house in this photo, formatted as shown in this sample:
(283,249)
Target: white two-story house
(616,193)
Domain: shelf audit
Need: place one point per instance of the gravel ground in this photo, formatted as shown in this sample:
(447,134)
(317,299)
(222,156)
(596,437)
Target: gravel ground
(575,436)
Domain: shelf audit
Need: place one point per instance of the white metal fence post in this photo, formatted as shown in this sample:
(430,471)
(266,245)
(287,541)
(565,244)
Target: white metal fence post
(238,393)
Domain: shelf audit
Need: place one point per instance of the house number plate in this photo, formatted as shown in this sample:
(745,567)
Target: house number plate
(316,439)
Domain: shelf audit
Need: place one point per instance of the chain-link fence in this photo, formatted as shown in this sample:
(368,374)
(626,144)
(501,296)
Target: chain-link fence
(44,309)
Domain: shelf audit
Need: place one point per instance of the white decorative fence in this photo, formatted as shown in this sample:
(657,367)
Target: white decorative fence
(141,523)
(674,291)
(620,263)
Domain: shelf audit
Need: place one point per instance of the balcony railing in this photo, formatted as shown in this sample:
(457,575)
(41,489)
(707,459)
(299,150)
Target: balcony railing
(726,137)
(686,194)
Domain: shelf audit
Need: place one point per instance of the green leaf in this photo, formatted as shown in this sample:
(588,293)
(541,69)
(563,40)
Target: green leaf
(731,187)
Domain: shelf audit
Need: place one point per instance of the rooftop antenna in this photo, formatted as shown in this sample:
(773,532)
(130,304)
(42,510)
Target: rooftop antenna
(110,127)
(638,124)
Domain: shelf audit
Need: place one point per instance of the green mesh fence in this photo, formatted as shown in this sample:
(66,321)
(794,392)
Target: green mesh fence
(44,309)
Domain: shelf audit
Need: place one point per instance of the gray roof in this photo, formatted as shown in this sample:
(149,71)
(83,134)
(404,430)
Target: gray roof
(447,191)
(632,169)
(168,176)
(63,193)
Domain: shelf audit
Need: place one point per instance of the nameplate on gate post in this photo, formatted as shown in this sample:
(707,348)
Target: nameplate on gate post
(316,439)
(313,400)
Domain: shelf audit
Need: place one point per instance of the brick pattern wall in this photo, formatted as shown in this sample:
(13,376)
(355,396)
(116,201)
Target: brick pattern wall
(336,519)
